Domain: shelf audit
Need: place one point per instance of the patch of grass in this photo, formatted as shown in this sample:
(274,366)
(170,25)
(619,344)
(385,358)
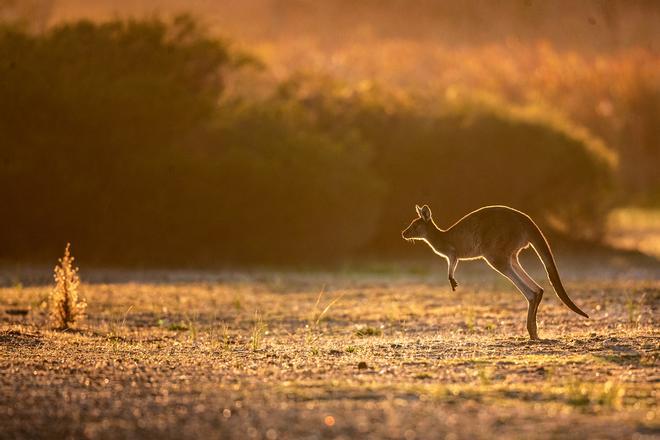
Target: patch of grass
(621,359)
(578,394)
(117,327)
(318,313)
(224,336)
(192,327)
(484,375)
(610,394)
(312,332)
(366,330)
(258,331)
(423,376)
(178,327)
(470,319)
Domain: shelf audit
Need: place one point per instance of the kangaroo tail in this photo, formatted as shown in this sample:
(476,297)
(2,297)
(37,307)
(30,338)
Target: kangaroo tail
(542,249)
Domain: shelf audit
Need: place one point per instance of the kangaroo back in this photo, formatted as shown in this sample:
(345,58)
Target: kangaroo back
(542,249)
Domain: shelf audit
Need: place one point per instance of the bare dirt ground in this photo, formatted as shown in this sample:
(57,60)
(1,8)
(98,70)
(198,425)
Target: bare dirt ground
(380,355)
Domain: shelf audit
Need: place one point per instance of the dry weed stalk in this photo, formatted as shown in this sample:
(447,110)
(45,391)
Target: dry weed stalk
(66,308)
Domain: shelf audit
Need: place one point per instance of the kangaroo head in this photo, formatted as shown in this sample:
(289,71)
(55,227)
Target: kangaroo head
(420,227)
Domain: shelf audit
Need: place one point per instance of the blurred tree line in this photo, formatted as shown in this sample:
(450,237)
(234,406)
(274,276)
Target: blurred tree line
(28,14)
(117,138)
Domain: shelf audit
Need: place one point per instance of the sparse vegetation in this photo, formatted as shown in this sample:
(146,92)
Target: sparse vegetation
(365,330)
(595,376)
(312,330)
(225,337)
(582,394)
(470,319)
(257,332)
(65,306)
(319,313)
(178,327)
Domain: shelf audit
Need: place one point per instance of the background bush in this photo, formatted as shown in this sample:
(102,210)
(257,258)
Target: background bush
(117,137)
(282,189)
(93,118)
(464,153)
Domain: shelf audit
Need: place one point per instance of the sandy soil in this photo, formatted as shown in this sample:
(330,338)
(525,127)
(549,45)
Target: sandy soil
(336,355)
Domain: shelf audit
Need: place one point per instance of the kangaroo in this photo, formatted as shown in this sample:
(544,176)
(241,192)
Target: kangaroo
(497,234)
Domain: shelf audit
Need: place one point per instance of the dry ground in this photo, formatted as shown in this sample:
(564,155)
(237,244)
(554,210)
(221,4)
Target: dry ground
(386,355)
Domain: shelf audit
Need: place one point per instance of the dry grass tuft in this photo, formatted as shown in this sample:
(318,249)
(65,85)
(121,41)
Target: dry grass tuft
(258,331)
(66,308)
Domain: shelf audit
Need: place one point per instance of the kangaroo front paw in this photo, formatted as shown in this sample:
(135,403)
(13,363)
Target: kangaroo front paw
(453,283)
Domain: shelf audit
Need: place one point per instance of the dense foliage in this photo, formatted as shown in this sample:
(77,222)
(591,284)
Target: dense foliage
(116,137)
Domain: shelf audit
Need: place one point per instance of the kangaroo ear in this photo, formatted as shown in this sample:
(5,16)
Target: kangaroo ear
(419,210)
(425,212)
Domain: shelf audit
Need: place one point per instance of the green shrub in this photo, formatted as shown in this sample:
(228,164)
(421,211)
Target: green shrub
(286,190)
(95,120)
(120,123)
(461,155)
(115,136)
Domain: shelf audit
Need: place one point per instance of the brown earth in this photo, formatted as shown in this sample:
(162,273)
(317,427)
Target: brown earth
(393,356)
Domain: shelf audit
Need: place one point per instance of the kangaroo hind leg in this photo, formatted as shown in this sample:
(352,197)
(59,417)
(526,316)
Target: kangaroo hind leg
(529,281)
(506,268)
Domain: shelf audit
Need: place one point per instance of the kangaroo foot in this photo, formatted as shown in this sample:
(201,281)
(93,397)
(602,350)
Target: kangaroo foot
(531,316)
(453,283)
